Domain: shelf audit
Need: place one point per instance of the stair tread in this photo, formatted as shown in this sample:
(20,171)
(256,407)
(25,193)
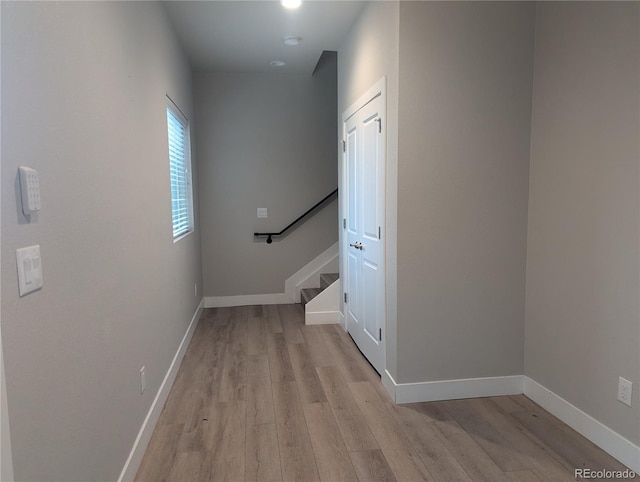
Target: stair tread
(307,294)
(327,279)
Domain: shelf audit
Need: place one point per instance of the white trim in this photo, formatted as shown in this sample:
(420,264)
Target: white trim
(322,318)
(390,384)
(247,300)
(311,271)
(325,307)
(292,285)
(376,90)
(452,389)
(188,177)
(132,464)
(611,442)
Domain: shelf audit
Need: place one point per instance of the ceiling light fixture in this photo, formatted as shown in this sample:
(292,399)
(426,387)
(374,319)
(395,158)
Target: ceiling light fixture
(292,40)
(277,63)
(291,3)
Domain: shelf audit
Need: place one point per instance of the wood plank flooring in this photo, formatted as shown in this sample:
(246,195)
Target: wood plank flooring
(262,397)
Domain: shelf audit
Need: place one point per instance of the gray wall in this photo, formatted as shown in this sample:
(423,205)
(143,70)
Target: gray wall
(83,102)
(264,140)
(464,136)
(368,53)
(582,318)
(471,115)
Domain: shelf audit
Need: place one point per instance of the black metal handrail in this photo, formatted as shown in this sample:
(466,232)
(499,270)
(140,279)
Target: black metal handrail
(298,219)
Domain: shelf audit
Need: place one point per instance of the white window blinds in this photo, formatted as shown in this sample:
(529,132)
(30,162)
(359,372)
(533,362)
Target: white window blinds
(180,171)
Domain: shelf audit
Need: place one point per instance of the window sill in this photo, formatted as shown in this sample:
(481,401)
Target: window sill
(182,236)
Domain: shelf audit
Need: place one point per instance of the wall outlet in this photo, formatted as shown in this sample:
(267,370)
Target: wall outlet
(262,212)
(143,380)
(625,388)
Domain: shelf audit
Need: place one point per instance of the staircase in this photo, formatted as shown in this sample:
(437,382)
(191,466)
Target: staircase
(321,305)
(326,279)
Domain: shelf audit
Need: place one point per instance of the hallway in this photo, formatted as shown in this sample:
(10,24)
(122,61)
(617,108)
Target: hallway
(261,396)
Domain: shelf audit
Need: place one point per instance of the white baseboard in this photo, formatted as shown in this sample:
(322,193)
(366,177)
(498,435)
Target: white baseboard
(292,285)
(611,442)
(390,385)
(132,464)
(247,300)
(322,318)
(451,389)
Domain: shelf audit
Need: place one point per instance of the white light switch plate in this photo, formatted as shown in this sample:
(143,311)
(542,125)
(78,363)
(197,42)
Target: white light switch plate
(29,269)
(262,212)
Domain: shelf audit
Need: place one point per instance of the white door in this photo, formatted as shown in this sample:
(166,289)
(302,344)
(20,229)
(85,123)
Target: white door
(364,166)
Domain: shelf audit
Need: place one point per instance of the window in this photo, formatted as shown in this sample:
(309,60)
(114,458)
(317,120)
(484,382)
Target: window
(180,171)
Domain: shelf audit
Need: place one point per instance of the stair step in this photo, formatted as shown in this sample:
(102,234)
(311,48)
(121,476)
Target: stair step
(307,294)
(327,279)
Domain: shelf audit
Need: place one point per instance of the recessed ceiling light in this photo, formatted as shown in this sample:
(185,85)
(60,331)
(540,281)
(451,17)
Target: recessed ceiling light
(291,3)
(277,63)
(292,40)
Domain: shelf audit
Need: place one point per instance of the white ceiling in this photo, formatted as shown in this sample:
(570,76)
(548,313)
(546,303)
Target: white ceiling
(244,36)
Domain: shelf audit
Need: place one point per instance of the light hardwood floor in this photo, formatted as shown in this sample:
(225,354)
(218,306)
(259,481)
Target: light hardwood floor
(261,396)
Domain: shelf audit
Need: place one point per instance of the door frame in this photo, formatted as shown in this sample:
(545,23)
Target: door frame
(378,89)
